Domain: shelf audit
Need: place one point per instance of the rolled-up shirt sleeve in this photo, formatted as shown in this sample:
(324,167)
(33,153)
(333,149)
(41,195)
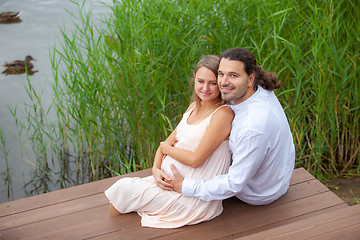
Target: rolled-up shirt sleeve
(249,151)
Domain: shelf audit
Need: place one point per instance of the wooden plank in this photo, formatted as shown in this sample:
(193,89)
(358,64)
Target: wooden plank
(249,232)
(297,191)
(238,217)
(36,215)
(40,226)
(300,175)
(95,222)
(335,225)
(68,194)
(347,233)
(243,217)
(81,212)
(63,195)
(302,190)
(51,211)
(82,225)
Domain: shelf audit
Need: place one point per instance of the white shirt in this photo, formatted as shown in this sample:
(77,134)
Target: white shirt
(263,155)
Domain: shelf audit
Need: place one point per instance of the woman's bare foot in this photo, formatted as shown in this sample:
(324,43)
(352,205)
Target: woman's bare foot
(112,211)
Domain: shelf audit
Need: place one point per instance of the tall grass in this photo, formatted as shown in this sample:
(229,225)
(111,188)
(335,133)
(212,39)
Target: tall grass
(120,89)
(6,174)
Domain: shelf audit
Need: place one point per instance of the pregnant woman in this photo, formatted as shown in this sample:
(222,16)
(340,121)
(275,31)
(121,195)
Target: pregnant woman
(198,147)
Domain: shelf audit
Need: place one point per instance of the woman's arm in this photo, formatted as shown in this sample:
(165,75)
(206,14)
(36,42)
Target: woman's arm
(159,174)
(159,155)
(170,140)
(217,131)
(161,179)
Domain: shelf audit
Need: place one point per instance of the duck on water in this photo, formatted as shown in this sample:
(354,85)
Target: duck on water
(9,17)
(20,66)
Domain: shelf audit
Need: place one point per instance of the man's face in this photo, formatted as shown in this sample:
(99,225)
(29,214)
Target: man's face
(234,83)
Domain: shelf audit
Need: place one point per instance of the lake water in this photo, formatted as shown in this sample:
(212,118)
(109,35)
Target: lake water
(35,35)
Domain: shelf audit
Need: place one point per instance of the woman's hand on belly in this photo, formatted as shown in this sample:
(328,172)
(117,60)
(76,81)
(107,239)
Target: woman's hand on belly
(161,179)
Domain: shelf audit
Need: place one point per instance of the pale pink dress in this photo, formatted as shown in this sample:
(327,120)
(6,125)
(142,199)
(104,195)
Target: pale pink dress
(168,209)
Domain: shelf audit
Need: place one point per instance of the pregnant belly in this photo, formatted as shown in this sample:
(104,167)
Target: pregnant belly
(181,168)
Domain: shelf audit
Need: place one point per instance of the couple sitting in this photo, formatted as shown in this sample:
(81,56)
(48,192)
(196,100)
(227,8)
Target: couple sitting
(233,140)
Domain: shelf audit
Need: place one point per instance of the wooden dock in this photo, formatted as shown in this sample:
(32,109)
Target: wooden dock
(307,211)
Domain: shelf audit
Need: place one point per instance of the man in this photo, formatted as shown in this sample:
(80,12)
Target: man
(261,143)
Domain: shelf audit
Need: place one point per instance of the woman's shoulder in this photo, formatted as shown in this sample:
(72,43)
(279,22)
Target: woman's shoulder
(224,112)
(191,106)
(224,109)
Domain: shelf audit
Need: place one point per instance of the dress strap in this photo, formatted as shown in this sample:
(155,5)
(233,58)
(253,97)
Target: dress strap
(207,119)
(190,110)
(225,105)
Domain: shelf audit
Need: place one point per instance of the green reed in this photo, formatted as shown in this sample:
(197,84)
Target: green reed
(121,87)
(7,177)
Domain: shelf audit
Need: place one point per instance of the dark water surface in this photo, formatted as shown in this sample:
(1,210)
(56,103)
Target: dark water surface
(36,34)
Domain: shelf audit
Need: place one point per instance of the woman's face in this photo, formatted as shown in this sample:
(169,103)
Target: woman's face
(206,87)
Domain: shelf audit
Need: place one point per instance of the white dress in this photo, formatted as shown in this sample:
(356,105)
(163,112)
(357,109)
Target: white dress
(168,209)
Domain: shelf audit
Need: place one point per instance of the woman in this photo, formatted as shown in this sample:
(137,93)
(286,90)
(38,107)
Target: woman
(198,147)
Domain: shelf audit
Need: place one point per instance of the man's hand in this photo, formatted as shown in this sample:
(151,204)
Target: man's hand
(176,180)
(161,179)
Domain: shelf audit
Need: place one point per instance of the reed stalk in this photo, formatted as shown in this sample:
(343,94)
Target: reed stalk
(6,174)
